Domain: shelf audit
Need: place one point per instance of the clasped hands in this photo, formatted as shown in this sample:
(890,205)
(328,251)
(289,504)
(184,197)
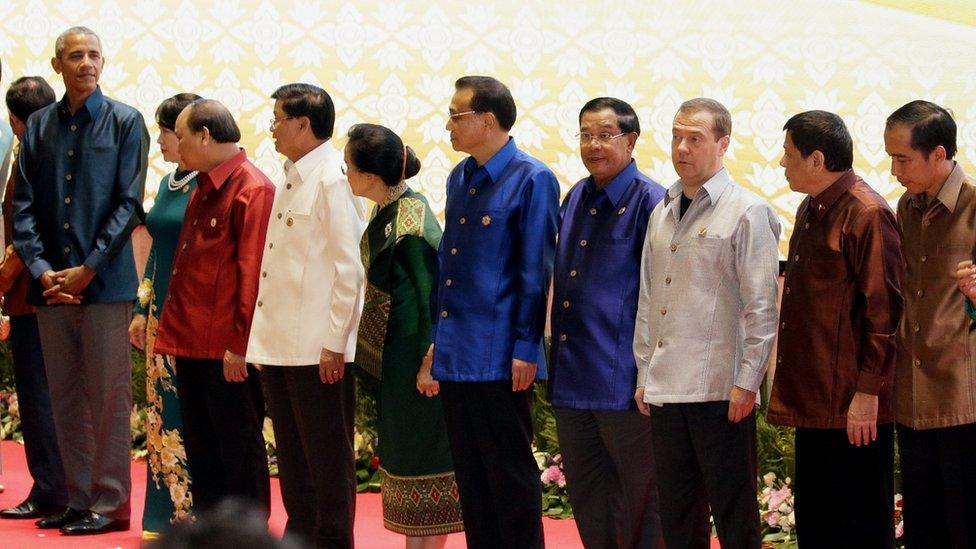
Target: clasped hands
(65,286)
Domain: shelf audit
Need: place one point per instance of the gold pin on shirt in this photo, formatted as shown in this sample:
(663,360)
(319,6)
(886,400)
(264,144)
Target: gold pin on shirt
(702,232)
(213,221)
(622,210)
(486,220)
(290,222)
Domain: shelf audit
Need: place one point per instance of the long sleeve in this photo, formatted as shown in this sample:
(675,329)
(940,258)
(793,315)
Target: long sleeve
(878,266)
(755,244)
(142,303)
(419,261)
(250,214)
(27,237)
(129,187)
(643,348)
(345,228)
(536,251)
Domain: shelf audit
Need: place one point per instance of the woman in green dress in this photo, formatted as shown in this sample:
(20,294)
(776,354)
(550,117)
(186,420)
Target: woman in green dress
(168,497)
(399,249)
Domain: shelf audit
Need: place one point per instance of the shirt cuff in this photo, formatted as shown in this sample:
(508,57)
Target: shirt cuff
(869,384)
(527,351)
(642,372)
(95,260)
(749,379)
(39,267)
(335,344)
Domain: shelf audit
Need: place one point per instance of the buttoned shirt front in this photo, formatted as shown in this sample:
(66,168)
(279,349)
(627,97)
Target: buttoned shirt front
(79,195)
(596,282)
(495,256)
(935,376)
(214,282)
(841,306)
(706,317)
(310,293)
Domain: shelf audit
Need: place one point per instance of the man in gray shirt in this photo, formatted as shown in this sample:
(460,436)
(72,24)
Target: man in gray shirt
(706,319)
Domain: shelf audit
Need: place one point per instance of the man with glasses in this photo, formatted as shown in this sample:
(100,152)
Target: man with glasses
(705,325)
(596,282)
(489,312)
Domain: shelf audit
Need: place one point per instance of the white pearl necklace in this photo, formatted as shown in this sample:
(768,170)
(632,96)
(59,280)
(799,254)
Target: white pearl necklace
(176,184)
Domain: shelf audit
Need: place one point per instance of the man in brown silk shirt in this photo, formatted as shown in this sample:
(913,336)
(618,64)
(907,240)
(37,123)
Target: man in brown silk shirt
(935,379)
(841,305)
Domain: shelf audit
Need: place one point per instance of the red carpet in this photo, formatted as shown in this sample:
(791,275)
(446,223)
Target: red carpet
(370,533)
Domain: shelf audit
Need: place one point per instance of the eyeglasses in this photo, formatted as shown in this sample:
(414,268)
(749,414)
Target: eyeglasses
(276,121)
(602,138)
(456,115)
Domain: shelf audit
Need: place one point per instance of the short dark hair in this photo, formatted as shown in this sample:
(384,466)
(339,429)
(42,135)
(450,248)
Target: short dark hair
(721,118)
(626,116)
(171,107)
(28,94)
(309,101)
(492,96)
(213,115)
(378,150)
(825,132)
(931,126)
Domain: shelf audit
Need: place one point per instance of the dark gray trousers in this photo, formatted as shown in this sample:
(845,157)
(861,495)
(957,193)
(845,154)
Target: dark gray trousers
(89,373)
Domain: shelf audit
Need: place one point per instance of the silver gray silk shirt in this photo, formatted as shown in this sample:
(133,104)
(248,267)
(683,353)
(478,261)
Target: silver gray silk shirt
(706,316)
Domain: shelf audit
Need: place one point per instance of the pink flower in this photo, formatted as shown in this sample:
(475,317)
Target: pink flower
(554,474)
(900,530)
(772,519)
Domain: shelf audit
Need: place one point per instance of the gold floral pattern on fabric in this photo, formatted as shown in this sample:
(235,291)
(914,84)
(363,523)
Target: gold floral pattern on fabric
(421,505)
(372,330)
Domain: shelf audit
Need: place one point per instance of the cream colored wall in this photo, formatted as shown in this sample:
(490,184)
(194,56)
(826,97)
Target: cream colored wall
(395,62)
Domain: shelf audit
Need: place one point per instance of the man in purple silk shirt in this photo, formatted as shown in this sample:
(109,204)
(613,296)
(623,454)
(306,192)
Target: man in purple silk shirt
(596,283)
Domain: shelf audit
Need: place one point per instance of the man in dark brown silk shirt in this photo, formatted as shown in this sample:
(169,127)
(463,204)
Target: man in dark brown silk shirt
(841,305)
(935,379)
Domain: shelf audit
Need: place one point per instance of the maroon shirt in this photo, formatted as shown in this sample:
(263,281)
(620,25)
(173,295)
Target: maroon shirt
(841,305)
(214,281)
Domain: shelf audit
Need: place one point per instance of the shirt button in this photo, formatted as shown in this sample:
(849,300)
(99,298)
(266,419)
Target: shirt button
(67,249)
(926,223)
(472,190)
(264,274)
(806,225)
(462,221)
(918,362)
(916,327)
(572,273)
(74,127)
(660,343)
(454,251)
(175,271)
(183,247)
(562,337)
(66,226)
(194,222)
(796,257)
(664,311)
(67,177)
(565,304)
(67,200)
(919,293)
(779,359)
(592,211)
(279,216)
(583,243)
(271,245)
(674,248)
(782,325)
(260,303)
(71,152)
(204,198)
(667,280)
(288,186)
(923,258)
(290,222)
(448,282)
(443,314)
(787,290)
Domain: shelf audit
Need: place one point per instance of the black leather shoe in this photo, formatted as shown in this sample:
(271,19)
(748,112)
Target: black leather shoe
(28,510)
(65,517)
(93,523)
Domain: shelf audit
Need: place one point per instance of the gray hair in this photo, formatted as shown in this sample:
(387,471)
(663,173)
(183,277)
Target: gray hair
(63,37)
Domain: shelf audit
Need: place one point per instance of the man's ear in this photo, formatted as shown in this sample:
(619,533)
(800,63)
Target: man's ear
(56,64)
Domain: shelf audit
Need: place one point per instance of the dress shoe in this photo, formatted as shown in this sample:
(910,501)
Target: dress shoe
(93,523)
(28,510)
(65,517)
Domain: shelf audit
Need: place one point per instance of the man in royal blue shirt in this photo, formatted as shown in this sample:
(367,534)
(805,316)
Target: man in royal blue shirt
(596,284)
(82,168)
(489,313)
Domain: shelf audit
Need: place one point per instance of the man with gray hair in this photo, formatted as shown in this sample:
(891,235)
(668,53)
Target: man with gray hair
(706,319)
(82,168)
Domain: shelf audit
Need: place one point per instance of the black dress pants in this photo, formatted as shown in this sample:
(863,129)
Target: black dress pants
(610,477)
(313,424)
(938,473)
(490,431)
(703,462)
(222,424)
(830,471)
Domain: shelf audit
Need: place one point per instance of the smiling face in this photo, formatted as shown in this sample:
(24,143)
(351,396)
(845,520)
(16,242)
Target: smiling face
(80,64)
(604,159)
(695,151)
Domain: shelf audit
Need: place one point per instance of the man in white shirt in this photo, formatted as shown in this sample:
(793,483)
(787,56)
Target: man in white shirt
(306,319)
(706,319)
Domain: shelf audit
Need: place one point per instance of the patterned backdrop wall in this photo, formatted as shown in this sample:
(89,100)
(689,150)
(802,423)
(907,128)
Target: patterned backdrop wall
(394,63)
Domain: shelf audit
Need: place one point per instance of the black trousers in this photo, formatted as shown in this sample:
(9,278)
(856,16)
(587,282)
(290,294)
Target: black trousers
(830,471)
(610,477)
(313,424)
(490,431)
(36,417)
(705,461)
(938,473)
(222,424)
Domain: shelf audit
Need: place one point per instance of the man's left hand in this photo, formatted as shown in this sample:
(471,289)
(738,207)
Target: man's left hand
(235,367)
(741,403)
(523,374)
(332,366)
(74,280)
(862,419)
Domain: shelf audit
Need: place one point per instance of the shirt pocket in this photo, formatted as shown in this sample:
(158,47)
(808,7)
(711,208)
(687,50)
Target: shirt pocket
(705,262)
(941,266)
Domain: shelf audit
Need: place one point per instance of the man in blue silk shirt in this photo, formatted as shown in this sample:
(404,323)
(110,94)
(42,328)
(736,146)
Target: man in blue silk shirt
(596,284)
(489,310)
(82,168)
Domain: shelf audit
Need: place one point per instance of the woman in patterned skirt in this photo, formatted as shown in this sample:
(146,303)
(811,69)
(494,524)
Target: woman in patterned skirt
(399,248)
(168,497)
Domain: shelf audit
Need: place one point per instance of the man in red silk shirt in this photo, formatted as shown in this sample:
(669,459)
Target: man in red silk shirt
(208,311)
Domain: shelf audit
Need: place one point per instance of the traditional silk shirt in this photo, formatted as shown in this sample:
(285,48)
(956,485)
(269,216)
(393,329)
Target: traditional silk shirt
(841,305)
(79,195)
(214,282)
(496,256)
(310,296)
(706,317)
(935,376)
(596,283)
